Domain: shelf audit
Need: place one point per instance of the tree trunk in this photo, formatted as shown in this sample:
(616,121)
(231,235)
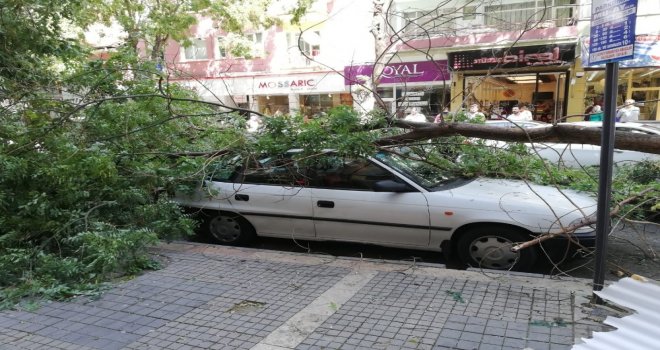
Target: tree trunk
(574,134)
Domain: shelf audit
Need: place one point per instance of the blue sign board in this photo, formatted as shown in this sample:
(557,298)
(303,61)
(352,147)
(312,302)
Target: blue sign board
(612,31)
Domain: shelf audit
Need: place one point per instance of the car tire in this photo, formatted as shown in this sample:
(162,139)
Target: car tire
(489,247)
(227,228)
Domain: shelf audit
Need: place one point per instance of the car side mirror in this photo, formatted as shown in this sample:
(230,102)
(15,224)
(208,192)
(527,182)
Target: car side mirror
(391,186)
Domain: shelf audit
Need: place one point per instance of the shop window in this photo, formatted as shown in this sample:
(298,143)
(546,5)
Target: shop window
(315,104)
(196,50)
(543,94)
(639,84)
(429,100)
(273,105)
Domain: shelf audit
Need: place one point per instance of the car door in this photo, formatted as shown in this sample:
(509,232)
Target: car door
(347,209)
(273,197)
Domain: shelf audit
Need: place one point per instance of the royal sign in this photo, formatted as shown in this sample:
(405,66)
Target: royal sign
(514,57)
(400,73)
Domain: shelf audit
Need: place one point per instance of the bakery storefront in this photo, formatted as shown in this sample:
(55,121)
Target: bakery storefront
(423,85)
(499,79)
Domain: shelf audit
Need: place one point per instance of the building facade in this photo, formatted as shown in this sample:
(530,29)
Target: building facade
(291,69)
(443,55)
(510,53)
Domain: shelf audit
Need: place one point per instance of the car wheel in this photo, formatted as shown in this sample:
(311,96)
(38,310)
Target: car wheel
(228,228)
(489,247)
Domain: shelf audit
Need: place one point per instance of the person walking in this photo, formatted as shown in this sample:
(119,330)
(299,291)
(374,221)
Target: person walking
(628,113)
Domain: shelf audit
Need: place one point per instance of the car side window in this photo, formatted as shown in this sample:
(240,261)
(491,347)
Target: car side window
(347,174)
(283,172)
(224,170)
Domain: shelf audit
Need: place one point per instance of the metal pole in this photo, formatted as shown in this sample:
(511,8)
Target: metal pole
(605,176)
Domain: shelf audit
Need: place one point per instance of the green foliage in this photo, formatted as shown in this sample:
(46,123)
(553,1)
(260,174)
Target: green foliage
(338,129)
(80,186)
(153,22)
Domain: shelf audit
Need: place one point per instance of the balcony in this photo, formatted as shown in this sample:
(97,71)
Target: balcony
(498,17)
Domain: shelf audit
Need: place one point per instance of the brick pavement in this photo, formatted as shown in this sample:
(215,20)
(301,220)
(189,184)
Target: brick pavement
(213,297)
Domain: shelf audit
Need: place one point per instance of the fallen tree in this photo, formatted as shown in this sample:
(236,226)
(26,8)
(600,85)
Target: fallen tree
(563,133)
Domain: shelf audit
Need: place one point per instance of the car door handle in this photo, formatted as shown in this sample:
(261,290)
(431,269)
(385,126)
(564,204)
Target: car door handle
(325,204)
(242,197)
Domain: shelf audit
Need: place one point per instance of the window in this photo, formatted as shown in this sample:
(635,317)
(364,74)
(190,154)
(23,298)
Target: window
(469,13)
(314,104)
(415,168)
(309,43)
(196,51)
(221,47)
(258,44)
(225,169)
(274,171)
(429,23)
(548,13)
(335,172)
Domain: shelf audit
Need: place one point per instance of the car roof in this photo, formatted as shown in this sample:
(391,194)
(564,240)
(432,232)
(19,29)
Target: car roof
(524,123)
(632,125)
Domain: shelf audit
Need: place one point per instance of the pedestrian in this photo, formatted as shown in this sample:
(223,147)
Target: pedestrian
(440,118)
(473,113)
(525,113)
(254,123)
(628,113)
(587,111)
(415,116)
(596,114)
(515,115)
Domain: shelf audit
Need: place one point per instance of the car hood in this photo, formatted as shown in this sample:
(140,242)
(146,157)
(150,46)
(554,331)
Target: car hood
(535,206)
(522,191)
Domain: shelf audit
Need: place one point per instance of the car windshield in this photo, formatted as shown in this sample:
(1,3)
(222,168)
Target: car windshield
(421,172)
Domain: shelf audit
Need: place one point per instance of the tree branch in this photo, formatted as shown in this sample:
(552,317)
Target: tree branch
(585,222)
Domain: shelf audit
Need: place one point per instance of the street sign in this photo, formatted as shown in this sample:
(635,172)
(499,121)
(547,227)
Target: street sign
(612,31)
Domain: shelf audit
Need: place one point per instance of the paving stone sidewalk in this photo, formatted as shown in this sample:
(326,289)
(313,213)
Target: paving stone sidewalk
(213,297)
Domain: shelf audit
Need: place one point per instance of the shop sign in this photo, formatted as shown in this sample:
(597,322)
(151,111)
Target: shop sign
(612,30)
(514,57)
(646,52)
(400,73)
(413,99)
(287,83)
(414,103)
(314,83)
